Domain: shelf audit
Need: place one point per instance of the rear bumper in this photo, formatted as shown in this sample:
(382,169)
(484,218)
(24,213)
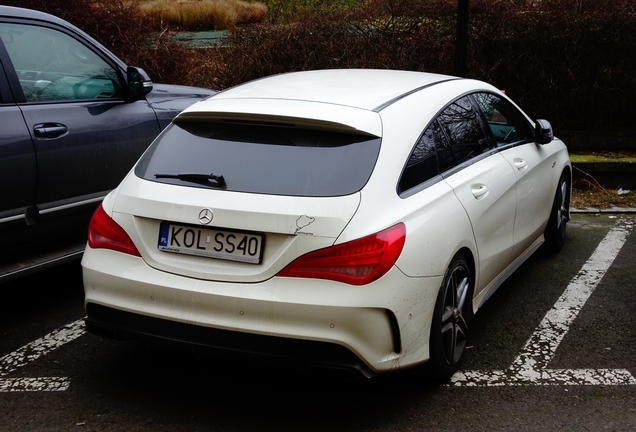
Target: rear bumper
(314,325)
(312,357)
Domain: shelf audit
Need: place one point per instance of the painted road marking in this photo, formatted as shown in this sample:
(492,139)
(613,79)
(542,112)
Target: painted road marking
(531,365)
(34,351)
(529,368)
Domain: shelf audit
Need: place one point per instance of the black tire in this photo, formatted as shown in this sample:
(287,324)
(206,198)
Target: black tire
(559,215)
(451,320)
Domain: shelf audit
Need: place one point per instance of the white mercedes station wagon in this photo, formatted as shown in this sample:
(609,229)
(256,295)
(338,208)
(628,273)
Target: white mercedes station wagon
(343,221)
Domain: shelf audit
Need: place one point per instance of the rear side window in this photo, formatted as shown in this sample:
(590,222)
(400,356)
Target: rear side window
(263,159)
(462,125)
(422,165)
(455,136)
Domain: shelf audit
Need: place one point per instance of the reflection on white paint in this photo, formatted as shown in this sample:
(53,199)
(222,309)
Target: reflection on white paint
(32,352)
(531,365)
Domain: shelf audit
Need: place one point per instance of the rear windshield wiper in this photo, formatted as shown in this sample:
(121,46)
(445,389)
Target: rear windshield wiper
(196,178)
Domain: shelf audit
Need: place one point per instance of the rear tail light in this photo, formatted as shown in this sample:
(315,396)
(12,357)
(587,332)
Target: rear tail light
(357,262)
(104,233)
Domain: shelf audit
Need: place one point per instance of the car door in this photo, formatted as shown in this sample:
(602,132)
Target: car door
(483,182)
(86,134)
(17,168)
(531,163)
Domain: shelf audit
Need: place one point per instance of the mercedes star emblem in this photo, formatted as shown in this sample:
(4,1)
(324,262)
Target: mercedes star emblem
(206,216)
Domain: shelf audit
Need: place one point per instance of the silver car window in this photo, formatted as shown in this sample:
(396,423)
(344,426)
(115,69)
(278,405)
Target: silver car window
(53,66)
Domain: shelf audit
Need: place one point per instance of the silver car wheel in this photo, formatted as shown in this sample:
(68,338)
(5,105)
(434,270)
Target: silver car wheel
(454,326)
(559,216)
(451,320)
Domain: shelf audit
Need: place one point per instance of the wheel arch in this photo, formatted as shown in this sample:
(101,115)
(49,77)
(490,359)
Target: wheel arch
(567,170)
(451,318)
(472,266)
(554,231)
(468,254)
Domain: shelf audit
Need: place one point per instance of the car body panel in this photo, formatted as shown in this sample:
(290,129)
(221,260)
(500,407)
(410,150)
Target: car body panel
(320,311)
(487,194)
(323,116)
(100,160)
(359,88)
(16,149)
(531,163)
(166,100)
(292,225)
(423,214)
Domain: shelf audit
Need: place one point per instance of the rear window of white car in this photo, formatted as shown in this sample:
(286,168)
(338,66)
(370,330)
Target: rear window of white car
(261,159)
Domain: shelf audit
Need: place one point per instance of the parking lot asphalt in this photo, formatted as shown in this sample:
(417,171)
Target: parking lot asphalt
(553,349)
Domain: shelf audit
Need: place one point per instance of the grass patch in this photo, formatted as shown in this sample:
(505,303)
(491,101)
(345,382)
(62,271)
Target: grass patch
(204,14)
(592,157)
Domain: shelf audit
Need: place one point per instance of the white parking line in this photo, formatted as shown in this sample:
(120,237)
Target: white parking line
(531,365)
(32,352)
(529,368)
(34,384)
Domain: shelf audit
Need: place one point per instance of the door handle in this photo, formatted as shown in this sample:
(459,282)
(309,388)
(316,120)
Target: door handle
(480,191)
(49,130)
(520,164)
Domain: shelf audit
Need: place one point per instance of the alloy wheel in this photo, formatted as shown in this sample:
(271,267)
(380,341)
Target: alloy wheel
(454,322)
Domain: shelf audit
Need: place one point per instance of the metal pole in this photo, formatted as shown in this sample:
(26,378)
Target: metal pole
(461,41)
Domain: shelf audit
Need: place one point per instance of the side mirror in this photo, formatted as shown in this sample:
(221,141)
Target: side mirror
(139,83)
(543,133)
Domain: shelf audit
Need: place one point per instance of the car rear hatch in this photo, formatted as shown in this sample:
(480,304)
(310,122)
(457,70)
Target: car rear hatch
(233,198)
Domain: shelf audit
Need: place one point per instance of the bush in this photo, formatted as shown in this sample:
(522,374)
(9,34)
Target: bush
(381,34)
(571,61)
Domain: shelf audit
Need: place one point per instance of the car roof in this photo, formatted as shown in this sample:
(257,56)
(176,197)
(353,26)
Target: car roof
(368,89)
(17,12)
(339,99)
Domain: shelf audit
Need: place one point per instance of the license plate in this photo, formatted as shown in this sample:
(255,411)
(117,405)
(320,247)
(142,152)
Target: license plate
(223,244)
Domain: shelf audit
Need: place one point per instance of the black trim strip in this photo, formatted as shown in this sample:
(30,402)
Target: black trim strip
(402,96)
(9,76)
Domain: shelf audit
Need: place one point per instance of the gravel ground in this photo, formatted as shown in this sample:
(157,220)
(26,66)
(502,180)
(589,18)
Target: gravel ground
(597,197)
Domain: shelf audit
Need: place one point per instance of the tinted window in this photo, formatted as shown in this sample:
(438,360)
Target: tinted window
(53,66)
(422,165)
(269,160)
(454,136)
(461,124)
(506,123)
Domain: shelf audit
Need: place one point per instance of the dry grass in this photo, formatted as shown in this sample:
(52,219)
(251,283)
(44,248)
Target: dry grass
(600,198)
(587,193)
(205,14)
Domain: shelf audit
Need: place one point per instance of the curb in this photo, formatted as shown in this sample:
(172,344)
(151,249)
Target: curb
(611,210)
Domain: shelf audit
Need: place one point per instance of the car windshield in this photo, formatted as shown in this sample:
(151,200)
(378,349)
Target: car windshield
(261,159)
